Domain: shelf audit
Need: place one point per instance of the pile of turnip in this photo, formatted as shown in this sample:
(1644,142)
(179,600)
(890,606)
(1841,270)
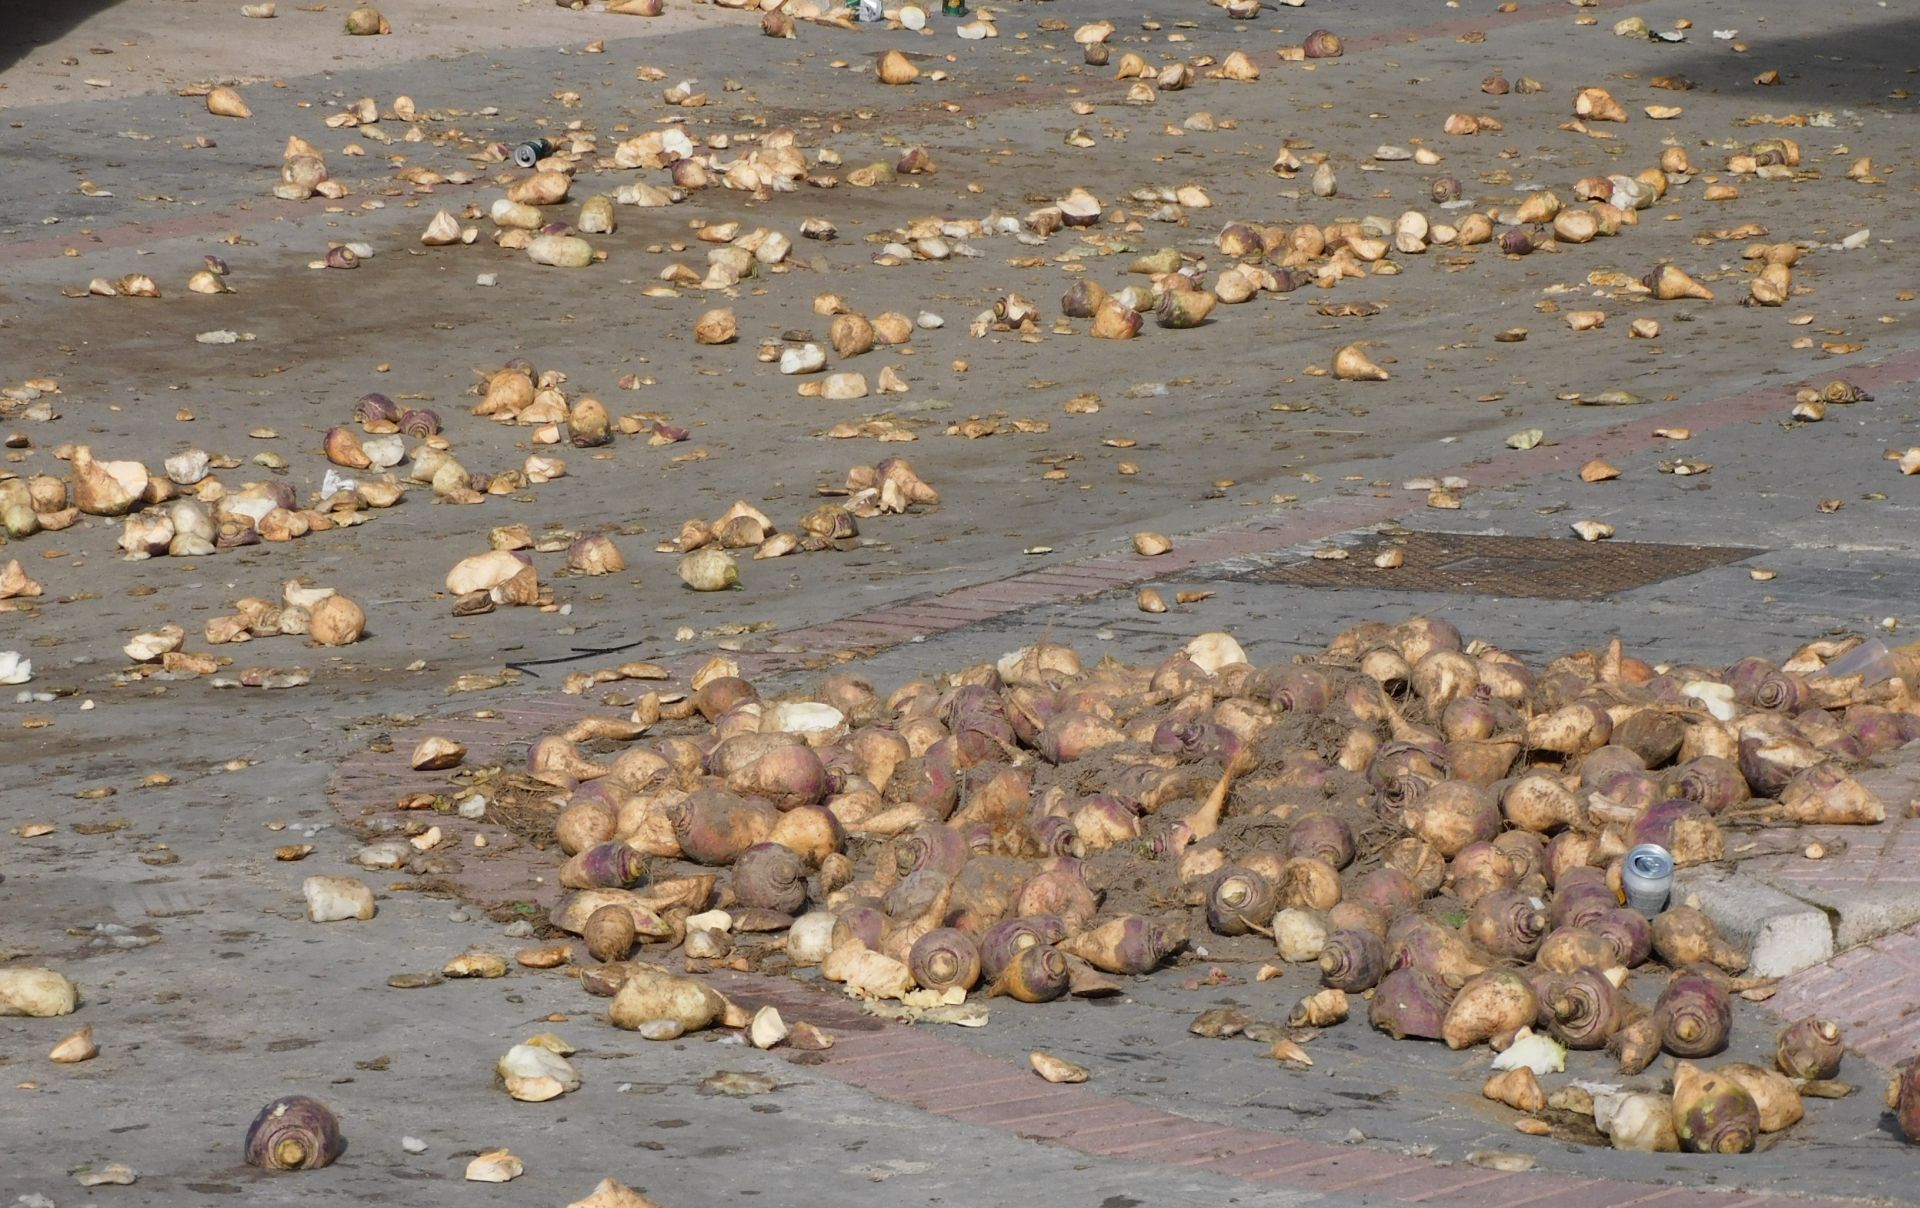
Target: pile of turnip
(1436,826)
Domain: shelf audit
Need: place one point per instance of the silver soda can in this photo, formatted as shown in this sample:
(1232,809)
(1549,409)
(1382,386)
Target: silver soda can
(1647,877)
(532,152)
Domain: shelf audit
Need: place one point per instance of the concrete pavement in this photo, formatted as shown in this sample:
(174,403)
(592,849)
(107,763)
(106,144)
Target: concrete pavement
(210,994)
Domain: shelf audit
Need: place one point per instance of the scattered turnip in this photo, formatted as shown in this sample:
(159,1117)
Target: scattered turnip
(769,876)
(1353,961)
(714,826)
(1569,949)
(1709,780)
(37,992)
(1638,1123)
(1628,932)
(1387,890)
(1410,1002)
(604,866)
(1540,804)
(1127,944)
(945,957)
(1006,940)
(1507,923)
(1478,870)
(1684,936)
(1307,883)
(1321,1009)
(1417,942)
(1697,1016)
(1683,828)
(1035,974)
(1518,1089)
(1490,1007)
(1903,1098)
(1585,1009)
(1712,1113)
(1300,935)
(1323,837)
(1774,1095)
(294,1133)
(1809,1048)
(1240,901)
(1826,796)
(1452,814)
(1638,1041)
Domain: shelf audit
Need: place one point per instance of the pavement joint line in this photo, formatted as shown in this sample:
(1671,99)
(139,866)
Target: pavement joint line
(1216,1156)
(1662,1194)
(1382,1176)
(1011,1078)
(1013,1123)
(889,1055)
(1177,1123)
(1247,1159)
(1551,1193)
(1490,1177)
(931,1078)
(989,1105)
(1319,1159)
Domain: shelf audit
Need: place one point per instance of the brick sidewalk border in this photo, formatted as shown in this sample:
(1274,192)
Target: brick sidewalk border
(1870,991)
(916,1067)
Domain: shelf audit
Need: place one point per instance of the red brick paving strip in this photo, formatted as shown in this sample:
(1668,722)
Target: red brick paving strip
(917,1068)
(1867,991)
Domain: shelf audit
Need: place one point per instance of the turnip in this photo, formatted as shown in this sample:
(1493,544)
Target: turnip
(1036,974)
(1711,1113)
(1353,961)
(1507,923)
(1586,1009)
(1809,1048)
(1410,1002)
(1684,936)
(1696,1015)
(1490,1007)
(1125,944)
(945,958)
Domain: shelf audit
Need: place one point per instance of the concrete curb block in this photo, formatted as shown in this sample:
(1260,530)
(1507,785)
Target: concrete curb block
(1782,934)
(1872,887)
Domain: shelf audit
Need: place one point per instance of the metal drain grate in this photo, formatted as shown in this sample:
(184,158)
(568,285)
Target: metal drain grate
(1541,568)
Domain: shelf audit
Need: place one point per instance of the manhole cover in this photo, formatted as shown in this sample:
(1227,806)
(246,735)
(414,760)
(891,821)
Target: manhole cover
(1543,568)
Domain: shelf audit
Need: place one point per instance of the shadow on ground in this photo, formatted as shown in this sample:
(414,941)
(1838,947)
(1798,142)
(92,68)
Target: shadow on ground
(1853,65)
(27,24)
